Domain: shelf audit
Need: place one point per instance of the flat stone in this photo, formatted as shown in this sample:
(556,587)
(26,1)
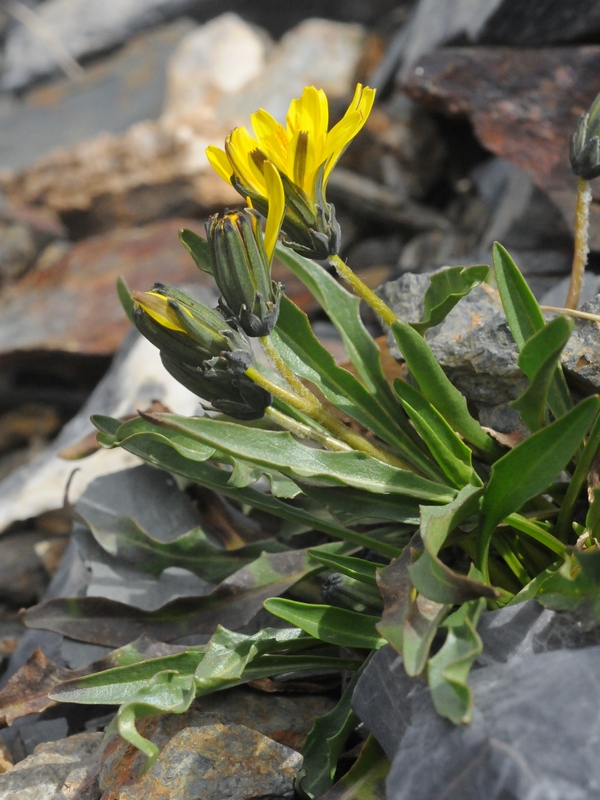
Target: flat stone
(499,22)
(111,95)
(73,306)
(159,168)
(43,775)
(84,28)
(524,105)
(286,719)
(473,344)
(200,756)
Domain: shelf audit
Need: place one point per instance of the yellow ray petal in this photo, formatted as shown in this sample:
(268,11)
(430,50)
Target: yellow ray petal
(219,162)
(276,198)
(239,147)
(272,137)
(157,307)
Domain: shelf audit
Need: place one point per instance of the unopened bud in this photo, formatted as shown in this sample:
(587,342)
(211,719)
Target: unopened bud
(584,150)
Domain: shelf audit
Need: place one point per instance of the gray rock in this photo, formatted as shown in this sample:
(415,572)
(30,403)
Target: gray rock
(497,22)
(557,296)
(53,767)
(533,735)
(473,344)
(581,355)
(84,28)
(200,756)
(112,95)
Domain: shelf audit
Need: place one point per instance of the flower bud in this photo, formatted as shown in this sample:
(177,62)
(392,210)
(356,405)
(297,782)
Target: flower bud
(188,330)
(237,397)
(342,590)
(200,350)
(584,149)
(242,271)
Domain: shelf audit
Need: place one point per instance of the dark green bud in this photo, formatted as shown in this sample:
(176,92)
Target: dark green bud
(242,271)
(342,590)
(237,397)
(584,149)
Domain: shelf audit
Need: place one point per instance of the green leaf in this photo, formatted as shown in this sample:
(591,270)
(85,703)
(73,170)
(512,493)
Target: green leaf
(324,744)
(365,780)
(446,288)
(351,505)
(166,692)
(127,541)
(449,668)
(198,248)
(530,468)
(429,575)
(439,391)
(448,449)
(574,586)
(539,360)
(525,318)
(125,297)
(358,568)
(280,450)
(409,620)
(329,624)
(159,451)
(305,355)
(343,309)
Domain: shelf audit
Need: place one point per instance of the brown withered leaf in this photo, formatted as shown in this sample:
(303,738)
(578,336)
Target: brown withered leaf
(27,691)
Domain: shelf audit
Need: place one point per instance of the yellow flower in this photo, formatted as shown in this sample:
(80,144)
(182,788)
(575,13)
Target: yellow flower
(304,152)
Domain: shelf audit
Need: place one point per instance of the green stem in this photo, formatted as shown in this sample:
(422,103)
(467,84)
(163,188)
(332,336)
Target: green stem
(529,528)
(362,290)
(564,528)
(286,373)
(320,415)
(511,559)
(305,431)
(581,249)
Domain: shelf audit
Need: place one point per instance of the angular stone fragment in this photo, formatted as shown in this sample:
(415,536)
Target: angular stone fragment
(523,103)
(43,775)
(200,757)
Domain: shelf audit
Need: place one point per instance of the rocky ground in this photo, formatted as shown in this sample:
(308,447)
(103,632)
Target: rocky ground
(105,113)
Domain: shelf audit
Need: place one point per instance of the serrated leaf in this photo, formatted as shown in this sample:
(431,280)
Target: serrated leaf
(198,248)
(448,449)
(445,289)
(525,319)
(156,449)
(294,339)
(529,468)
(328,623)
(539,360)
(324,744)
(280,450)
(429,575)
(449,668)
(437,388)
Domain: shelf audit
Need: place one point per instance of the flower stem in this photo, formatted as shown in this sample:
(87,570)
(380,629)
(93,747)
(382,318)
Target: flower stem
(305,431)
(362,290)
(286,373)
(320,415)
(581,250)
(571,312)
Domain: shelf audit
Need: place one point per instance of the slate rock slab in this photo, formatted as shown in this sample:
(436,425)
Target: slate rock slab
(54,766)
(200,757)
(523,104)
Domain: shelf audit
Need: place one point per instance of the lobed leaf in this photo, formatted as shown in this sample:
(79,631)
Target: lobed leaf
(445,289)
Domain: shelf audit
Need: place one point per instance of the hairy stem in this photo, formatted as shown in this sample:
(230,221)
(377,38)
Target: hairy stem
(571,312)
(581,250)
(363,291)
(321,416)
(286,373)
(305,431)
